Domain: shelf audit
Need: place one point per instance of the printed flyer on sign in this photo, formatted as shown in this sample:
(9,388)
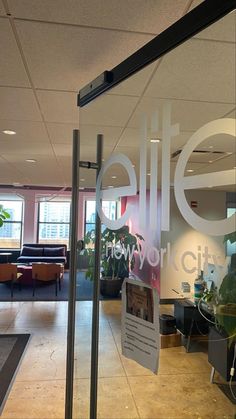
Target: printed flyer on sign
(140,323)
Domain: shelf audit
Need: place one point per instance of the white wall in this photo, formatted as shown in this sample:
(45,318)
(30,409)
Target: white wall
(212,206)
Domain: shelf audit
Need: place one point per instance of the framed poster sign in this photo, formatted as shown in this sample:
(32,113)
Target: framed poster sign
(140,323)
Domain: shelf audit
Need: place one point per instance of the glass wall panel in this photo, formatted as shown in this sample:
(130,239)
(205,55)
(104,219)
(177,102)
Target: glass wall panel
(169,155)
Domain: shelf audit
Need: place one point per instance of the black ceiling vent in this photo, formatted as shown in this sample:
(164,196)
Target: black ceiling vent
(177,152)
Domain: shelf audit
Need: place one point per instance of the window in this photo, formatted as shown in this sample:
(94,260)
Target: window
(54,222)
(230,247)
(109,209)
(11,231)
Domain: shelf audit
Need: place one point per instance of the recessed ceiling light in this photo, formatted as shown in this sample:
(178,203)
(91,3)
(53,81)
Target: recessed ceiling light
(148,174)
(80,188)
(17,184)
(110,186)
(9,132)
(210,146)
(82,180)
(210,161)
(190,170)
(229,152)
(133,165)
(30,160)
(155,140)
(114,177)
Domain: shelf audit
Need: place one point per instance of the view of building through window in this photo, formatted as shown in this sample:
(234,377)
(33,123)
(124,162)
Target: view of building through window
(54,222)
(109,209)
(11,231)
(231,247)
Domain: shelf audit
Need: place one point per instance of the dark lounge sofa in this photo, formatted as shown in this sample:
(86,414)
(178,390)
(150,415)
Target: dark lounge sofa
(38,252)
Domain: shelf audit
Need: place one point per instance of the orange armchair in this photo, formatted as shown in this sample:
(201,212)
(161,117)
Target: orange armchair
(47,272)
(9,274)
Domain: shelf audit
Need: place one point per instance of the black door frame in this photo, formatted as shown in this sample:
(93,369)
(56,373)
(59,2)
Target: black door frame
(185,28)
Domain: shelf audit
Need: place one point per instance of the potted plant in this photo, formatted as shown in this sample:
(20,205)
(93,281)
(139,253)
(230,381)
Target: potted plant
(222,336)
(3,215)
(117,257)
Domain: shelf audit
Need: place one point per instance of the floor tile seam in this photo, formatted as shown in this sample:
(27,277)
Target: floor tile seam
(100,377)
(172,375)
(166,374)
(39,381)
(128,383)
(35,417)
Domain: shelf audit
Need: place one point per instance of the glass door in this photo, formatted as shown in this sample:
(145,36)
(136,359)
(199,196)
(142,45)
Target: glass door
(169,161)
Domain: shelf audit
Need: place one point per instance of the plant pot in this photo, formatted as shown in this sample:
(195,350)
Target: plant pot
(110,287)
(220,355)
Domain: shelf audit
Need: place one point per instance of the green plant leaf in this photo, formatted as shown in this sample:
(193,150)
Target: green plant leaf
(231,237)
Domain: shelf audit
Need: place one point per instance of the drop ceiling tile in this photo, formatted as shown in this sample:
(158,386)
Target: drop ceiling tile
(88,153)
(195,4)
(220,142)
(135,84)
(63,150)
(89,135)
(110,110)
(131,138)
(189,114)
(2,11)
(44,172)
(60,133)
(26,150)
(132,15)
(194,71)
(63,133)
(131,152)
(12,71)
(59,106)
(68,57)
(222,30)
(232,114)
(227,163)
(26,131)
(18,104)
(9,174)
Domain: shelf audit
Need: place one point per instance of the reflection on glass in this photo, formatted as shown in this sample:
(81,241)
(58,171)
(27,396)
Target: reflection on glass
(178,132)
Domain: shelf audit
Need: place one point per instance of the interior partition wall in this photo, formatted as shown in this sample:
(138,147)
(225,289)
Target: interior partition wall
(167,115)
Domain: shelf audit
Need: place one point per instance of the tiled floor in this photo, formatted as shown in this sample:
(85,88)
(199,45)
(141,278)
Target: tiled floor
(126,390)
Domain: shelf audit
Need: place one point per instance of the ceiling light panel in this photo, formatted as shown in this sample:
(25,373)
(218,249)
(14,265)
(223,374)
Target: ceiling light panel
(9,132)
(27,131)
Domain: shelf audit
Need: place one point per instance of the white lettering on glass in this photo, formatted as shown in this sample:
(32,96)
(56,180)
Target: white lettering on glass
(181,183)
(226,177)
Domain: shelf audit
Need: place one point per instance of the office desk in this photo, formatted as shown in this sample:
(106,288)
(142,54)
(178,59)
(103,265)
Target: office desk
(189,321)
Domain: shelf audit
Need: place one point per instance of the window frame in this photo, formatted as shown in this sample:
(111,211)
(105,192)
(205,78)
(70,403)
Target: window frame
(85,212)
(7,221)
(53,222)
